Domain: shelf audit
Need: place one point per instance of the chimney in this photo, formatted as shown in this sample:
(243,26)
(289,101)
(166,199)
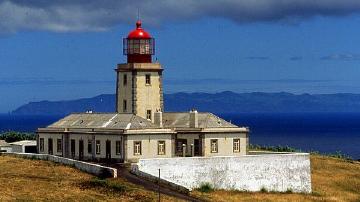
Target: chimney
(194,119)
(158,118)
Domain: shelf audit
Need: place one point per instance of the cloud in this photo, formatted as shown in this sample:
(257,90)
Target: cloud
(295,58)
(95,15)
(257,58)
(341,57)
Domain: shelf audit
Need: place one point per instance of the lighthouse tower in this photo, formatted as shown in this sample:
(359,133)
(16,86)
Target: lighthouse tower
(139,81)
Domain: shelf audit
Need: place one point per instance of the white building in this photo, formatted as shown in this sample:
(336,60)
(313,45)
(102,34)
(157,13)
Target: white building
(24,146)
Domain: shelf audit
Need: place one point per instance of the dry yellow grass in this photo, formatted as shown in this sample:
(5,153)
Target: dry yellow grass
(23,179)
(332,180)
(34,180)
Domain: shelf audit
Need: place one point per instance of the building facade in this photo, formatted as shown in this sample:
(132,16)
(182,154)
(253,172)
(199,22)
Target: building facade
(140,129)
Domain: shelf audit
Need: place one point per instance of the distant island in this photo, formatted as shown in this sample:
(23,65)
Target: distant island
(220,103)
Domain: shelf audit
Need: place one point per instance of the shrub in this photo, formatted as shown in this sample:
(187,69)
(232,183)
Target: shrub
(263,189)
(206,187)
(12,136)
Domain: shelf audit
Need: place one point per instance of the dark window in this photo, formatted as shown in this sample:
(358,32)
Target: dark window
(124,106)
(98,147)
(89,146)
(137,148)
(41,144)
(72,147)
(125,79)
(214,146)
(118,147)
(147,79)
(59,145)
(148,114)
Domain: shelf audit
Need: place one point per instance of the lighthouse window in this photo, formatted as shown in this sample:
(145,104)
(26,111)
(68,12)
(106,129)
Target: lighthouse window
(148,114)
(125,79)
(124,106)
(147,79)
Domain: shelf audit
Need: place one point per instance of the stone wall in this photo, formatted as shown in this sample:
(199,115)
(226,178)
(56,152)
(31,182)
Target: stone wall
(91,168)
(273,171)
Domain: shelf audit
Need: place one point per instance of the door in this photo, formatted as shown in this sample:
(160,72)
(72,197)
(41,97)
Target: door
(196,147)
(72,145)
(50,146)
(108,150)
(179,146)
(81,150)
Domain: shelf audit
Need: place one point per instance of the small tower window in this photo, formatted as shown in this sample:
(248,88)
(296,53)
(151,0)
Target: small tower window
(125,79)
(124,106)
(148,114)
(147,79)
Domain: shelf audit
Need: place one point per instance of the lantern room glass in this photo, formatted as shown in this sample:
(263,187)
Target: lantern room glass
(139,46)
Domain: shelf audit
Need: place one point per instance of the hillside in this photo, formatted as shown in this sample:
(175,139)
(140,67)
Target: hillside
(34,180)
(333,179)
(223,102)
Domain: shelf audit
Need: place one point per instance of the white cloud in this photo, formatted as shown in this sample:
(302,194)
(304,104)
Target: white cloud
(98,15)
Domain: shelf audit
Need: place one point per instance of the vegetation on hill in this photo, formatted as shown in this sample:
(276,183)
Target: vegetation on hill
(12,136)
(35,180)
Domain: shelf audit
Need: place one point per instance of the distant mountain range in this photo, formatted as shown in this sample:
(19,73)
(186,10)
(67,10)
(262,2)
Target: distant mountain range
(224,102)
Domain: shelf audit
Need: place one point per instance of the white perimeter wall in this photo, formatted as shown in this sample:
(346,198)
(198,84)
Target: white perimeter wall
(274,172)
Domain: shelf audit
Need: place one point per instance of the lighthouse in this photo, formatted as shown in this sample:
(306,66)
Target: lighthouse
(139,81)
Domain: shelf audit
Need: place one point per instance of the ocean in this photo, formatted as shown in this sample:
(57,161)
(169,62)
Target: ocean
(323,132)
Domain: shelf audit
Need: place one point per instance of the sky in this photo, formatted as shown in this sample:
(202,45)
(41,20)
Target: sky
(68,49)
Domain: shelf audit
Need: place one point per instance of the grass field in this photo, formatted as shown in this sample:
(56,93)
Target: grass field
(21,179)
(333,179)
(34,180)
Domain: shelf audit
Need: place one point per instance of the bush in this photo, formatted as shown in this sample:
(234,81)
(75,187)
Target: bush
(206,187)
(263,189)
(12,136)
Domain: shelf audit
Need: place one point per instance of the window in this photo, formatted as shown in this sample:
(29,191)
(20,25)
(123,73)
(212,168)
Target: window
(124,106)
(147,79)
(161,147)
(59,145)
(236,145)
(148,114)
(72,147)
(118,147)
(214,146)
(90,146)
(125,79)
(98,147)
(137,148)
(41,144)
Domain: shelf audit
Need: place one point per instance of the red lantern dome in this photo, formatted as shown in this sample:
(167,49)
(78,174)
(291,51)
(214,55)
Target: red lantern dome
(139,46)
(139,32)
